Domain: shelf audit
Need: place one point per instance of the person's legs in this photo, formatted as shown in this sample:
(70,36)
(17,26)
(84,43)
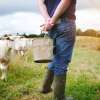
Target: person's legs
(59,66)
(64,49)
(64,42)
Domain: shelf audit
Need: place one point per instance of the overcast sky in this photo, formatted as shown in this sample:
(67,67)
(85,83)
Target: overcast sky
(21,15)
(11,6)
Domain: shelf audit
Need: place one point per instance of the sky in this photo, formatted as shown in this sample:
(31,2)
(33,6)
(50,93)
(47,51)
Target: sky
(23,16)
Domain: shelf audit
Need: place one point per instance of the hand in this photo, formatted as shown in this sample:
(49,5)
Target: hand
(43,26)
(49,24)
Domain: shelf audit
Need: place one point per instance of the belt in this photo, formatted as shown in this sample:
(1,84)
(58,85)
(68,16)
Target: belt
(64,19)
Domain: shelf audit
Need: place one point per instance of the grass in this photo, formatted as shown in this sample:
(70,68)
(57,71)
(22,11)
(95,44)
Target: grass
(83,81)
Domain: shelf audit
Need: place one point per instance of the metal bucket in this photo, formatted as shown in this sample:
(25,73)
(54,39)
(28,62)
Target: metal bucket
(42,50)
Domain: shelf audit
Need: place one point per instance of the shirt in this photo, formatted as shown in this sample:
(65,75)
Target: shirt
(52,5)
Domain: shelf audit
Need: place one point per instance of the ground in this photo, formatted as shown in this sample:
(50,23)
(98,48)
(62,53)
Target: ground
(83,80)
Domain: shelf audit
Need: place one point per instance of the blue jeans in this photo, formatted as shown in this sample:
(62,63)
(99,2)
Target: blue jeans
(63,35)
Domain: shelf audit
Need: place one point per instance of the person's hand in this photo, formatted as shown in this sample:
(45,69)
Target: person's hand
(43,26)
(48,25)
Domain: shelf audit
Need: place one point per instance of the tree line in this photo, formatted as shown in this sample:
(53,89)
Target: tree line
(79,32)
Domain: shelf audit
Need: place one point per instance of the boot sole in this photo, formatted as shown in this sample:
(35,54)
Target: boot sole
(46,91)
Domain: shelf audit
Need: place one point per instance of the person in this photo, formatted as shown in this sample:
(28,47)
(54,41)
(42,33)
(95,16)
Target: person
(59,17)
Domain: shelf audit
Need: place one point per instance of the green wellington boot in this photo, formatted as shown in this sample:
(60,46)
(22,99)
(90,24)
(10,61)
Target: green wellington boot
(46,88)
(59,88)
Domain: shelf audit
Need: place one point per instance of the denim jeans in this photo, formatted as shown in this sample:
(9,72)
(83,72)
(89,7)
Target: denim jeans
(63,36)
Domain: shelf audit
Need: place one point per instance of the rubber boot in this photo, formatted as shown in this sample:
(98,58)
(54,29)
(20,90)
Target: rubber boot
(46,88)
(59,87)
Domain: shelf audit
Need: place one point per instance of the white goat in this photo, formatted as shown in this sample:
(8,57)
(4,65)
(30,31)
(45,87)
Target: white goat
(5,51)
(20,46)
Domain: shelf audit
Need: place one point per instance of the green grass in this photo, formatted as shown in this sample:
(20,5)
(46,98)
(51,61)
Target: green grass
(83,80)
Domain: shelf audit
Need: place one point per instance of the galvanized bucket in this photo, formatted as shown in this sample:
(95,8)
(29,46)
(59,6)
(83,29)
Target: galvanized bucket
(43,50)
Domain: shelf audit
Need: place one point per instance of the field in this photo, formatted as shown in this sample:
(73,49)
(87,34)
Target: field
(83,81)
